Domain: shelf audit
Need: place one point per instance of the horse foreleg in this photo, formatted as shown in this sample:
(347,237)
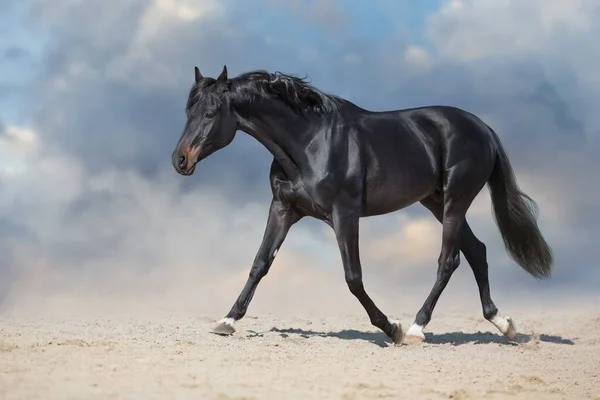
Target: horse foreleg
(280,220)
(345,225)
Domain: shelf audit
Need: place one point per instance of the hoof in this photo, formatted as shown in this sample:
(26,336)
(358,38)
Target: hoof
(506,326)
(414,335)
(397,335)
(511,330)
(224,328)
(413,339)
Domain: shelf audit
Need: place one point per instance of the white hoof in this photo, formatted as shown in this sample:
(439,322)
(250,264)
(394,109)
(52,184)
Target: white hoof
(414,334)
(511,331)
(224,327)
(506,326)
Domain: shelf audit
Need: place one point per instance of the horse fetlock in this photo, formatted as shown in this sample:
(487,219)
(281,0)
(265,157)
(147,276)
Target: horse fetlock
(258,270)
(490,312)
(397,333)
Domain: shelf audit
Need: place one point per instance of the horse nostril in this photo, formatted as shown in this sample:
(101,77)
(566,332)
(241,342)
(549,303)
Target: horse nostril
(179,160)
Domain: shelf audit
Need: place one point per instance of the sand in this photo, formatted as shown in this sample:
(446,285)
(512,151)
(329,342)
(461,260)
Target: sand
(271,357)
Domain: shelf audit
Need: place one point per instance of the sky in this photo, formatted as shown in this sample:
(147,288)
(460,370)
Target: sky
(92,98)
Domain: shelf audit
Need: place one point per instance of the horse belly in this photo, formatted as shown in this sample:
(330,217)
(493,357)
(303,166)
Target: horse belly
(398,183)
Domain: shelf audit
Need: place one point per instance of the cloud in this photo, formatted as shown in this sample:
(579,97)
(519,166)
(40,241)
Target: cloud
(414,241)
(417,57)
(534,82)
(119,233)
(326,14)
(14,53)
(468,30)
(93,214)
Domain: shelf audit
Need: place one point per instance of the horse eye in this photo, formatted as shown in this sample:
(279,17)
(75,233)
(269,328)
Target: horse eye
(210,114)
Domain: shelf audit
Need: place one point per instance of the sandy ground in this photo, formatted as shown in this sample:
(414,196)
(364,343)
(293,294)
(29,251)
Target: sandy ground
(557,357)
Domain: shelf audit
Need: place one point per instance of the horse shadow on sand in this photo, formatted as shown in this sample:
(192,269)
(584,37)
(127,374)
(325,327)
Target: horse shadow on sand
(451,338)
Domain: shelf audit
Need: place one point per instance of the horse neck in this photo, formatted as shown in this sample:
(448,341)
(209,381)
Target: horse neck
(284,133)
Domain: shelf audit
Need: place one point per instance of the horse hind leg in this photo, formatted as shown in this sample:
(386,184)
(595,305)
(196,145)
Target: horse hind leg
(453,219)
(461,187)
(475,253)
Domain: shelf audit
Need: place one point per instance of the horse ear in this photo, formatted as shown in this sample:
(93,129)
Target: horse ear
(199,76)
(223,77)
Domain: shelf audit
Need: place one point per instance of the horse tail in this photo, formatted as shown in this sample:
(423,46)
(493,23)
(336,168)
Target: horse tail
(516,214)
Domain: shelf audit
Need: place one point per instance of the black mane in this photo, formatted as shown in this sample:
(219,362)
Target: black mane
(296,92)
(258,85)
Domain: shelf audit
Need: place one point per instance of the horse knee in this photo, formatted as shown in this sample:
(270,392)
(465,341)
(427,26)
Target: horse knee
(259,270)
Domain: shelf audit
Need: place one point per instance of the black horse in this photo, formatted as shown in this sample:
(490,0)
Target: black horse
(337,162)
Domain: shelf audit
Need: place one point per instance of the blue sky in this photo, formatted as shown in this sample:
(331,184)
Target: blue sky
(91,104)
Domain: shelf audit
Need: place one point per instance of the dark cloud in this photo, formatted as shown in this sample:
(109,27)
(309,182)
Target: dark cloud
(547,95)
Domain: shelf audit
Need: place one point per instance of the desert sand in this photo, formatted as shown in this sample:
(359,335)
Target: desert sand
(274,357)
